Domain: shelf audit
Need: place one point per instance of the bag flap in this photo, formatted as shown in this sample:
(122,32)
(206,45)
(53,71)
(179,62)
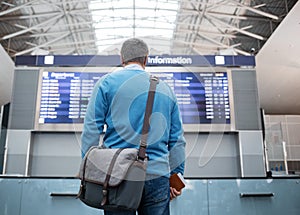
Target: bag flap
(97,162)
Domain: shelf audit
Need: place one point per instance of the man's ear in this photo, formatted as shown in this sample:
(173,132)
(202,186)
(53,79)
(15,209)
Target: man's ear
(145,60)
(122,61)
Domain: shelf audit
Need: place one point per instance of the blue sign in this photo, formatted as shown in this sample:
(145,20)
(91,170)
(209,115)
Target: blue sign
(114,60)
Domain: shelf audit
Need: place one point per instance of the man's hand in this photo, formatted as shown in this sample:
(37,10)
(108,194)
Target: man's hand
(174,193)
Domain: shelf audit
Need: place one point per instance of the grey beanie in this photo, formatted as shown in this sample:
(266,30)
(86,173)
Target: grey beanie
(133,48)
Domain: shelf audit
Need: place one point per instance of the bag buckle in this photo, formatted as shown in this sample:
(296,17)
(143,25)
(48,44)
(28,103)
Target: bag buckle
(104,199)
(142,153)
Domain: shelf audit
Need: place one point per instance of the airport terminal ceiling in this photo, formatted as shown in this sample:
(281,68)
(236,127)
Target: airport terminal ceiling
(169,26)
(197,27)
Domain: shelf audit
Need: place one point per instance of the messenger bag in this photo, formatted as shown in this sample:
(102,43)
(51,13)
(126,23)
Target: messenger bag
(113,179)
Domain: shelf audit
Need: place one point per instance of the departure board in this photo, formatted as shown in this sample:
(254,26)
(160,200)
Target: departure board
(203,97)
(65,95)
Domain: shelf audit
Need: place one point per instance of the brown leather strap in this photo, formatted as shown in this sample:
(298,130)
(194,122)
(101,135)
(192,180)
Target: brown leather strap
(82,184)
(108,174)
(145,130)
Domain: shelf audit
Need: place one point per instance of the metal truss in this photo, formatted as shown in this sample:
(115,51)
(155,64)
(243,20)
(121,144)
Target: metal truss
(40,26)
(175,27)
(221,26)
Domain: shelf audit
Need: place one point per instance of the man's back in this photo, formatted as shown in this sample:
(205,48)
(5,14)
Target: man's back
(120,103)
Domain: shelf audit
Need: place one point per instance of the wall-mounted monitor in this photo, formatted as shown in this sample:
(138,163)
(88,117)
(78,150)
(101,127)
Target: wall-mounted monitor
(64,96)
(204,97)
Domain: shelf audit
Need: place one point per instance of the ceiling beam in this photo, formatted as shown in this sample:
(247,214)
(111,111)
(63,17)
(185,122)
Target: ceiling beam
(30,16)
(236,4)
(190,12)
(222,44)
(31,28)
(39,26)
(216,34)
(86,31)
(256,36)
(17,7)
(69,21)
(72,43)
(42,45)
(219,27)
(71,50)
(205,45)
(259,5)
(254,10)
(7,4)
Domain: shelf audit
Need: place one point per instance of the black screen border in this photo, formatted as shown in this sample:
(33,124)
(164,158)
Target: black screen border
(77,127)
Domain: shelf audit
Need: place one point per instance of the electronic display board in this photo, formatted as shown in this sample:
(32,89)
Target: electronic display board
(203,97)
(65,95)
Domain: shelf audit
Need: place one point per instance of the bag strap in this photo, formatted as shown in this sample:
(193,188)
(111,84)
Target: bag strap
(83,172)
(146,125)
(108,175)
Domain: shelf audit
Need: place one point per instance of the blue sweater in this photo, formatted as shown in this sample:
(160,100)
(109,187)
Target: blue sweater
(119,101)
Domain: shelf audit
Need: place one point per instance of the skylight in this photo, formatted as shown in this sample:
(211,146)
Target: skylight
(117,20)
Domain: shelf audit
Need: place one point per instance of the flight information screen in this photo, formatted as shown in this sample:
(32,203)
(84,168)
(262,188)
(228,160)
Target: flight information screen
(203,97)
(65,95)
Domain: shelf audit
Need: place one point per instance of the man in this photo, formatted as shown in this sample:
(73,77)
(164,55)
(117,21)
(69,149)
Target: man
(119,101)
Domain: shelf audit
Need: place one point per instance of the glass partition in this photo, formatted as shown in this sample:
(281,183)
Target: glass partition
(283,144)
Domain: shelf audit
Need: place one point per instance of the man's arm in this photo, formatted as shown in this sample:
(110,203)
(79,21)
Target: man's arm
(94,119)
(176,143)
(176,148)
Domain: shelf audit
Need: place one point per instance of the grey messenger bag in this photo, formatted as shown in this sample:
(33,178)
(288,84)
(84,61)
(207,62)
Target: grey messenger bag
(113,179)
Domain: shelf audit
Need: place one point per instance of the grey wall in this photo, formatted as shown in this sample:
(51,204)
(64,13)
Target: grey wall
(55,154)
(23,106)
(212,155)
(246,101)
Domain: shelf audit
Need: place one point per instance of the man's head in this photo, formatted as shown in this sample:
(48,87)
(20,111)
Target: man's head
(134,50)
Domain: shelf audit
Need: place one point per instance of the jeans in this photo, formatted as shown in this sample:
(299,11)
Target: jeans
(155,199)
